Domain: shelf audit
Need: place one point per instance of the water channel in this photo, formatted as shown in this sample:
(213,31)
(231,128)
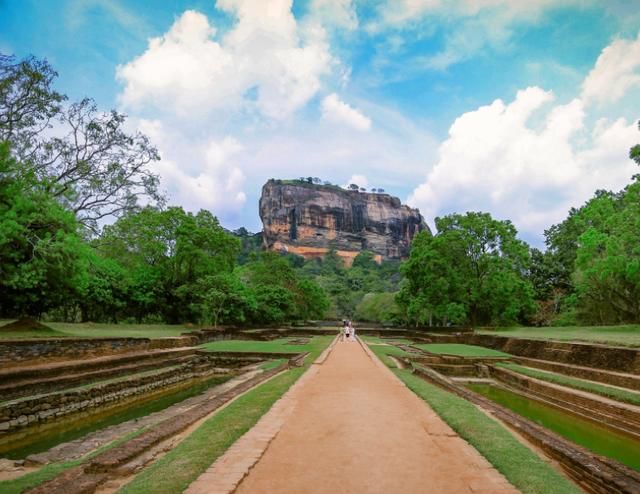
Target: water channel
(587,433)
(41,438)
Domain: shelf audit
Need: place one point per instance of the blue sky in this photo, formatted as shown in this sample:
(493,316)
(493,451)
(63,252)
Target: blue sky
(522,109)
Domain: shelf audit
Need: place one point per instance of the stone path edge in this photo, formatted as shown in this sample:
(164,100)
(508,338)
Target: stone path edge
(227,472)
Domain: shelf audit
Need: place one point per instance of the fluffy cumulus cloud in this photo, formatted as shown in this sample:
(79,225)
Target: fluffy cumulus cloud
(526,161)
(267,63)
(533,158)
(616,71)
(199,174)
(359,180)
(336,111)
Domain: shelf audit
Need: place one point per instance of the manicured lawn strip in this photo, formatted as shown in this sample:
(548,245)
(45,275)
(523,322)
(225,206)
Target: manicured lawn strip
(277,346)
(48,472)
(387,341)
(383,352)
(97,330)
(461,350)
(627,396)
(520,465)
(271,364)
(627,335)
(184,463)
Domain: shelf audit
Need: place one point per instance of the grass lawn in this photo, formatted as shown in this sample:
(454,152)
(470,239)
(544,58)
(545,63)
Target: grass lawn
(628,335)
(386,341)
(97,330)
(384,351)
(627,396)
(461,350)
(279,345)
(184,463)
(519,464)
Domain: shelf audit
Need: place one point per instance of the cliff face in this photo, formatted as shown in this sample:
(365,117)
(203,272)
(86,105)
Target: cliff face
(309,220)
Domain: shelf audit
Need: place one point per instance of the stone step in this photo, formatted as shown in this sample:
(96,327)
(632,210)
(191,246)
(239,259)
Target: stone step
(21,381)
(31,410)
(621,416)
(622,379)
(455,369)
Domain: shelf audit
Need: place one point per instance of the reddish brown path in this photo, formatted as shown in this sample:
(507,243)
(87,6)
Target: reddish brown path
(355,428)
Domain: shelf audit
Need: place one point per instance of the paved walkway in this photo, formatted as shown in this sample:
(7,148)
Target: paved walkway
(350,426)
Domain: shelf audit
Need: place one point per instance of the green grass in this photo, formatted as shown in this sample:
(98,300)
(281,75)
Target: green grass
(519,464)
(624,395)
(628,335)
(184,463)
(272,364)
(386,341)
(97,330)
(279,345)
(383,352)
(461,350)
(47,472)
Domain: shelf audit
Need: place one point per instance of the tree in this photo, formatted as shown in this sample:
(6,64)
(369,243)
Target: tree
(40,249)
(225,299)
(88,163)
(634,152)
(28,102)
(103,291)
(472,271)
(354,187)
(607,276)
(168,252)
(312,301)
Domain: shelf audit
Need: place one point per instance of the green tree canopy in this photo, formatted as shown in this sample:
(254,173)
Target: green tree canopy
(472,271)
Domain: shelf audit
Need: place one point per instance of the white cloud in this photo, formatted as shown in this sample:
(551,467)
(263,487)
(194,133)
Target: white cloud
(359,180)
(266,63)
(336,111)
(470,26)
(213,180)
(495,160)
(616,71)
(340,13)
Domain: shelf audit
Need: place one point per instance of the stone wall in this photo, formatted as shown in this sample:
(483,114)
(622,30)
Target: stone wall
(621,416)
(620,359)
(23,412)
(14,353)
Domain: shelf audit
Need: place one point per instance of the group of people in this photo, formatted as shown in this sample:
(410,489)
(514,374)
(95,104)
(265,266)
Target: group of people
(348,332)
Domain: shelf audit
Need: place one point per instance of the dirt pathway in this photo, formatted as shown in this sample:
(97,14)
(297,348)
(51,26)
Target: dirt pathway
(356,428)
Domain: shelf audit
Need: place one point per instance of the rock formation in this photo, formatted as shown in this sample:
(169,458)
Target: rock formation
(309,220)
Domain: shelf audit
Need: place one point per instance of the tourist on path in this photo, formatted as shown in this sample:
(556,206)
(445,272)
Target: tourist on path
(352,332)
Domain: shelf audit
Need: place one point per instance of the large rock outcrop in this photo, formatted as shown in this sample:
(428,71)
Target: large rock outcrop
(309,220)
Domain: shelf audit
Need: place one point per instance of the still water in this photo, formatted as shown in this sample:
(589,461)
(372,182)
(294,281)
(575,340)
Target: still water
(38,439)
(587,433)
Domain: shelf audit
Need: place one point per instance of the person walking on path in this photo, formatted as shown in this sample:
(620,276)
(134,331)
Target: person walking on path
(352,332)
(343,330)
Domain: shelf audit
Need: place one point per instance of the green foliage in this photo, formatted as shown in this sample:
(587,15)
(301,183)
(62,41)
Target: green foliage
(280,294)
(472,271)
(223,298)
(40,249)
(170,254)
(378,307)
(607,276)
